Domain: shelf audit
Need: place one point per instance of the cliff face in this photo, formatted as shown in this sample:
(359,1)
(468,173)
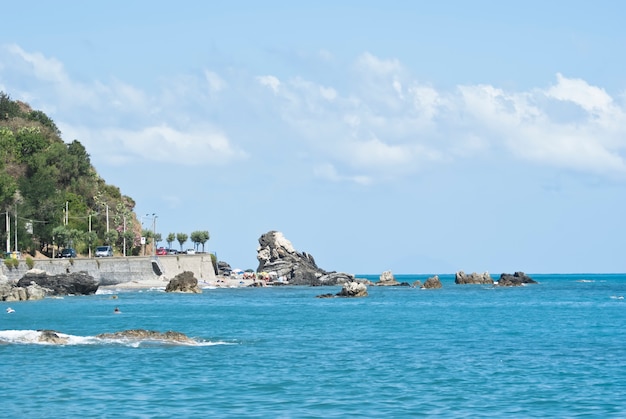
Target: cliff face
(276,254)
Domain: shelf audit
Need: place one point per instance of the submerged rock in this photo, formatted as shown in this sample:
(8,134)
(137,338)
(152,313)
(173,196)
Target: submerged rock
(142,334)
(353,289)
(50,336)
(184,282)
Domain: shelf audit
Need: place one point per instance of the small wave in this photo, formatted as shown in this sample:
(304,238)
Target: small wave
(34,337)
(585,280)
(617,297)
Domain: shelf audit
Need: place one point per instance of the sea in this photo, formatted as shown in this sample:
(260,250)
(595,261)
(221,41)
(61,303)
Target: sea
(552,349)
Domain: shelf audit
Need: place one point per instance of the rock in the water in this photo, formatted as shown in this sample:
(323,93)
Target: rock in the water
(50,336)
(353,289)
(432,282)
(515,280)
(473,278)
(142,334)
(276,254)
(75,283)
(387,279)
(184,282)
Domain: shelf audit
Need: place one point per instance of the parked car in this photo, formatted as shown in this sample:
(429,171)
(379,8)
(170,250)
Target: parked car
(172,251)
(190,252)
(104,251)
(161,251)
(67,253)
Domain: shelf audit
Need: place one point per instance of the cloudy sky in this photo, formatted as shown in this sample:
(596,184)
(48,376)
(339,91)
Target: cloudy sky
(417,137)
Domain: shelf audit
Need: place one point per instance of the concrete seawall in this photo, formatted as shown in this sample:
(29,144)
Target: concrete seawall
(116,270)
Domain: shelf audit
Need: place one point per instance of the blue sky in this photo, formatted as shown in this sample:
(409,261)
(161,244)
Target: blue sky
(417,137)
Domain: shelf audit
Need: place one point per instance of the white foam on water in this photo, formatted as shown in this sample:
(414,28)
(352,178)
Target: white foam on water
(31,337)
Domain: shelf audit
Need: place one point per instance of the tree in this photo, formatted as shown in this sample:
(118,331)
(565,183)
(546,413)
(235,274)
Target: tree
(111,236)
(171,237)
(182,238)
(61,236)
(90,237)
(157,239)
(199,237)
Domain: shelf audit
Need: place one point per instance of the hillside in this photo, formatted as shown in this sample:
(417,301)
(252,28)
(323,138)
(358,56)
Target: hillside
(50,194)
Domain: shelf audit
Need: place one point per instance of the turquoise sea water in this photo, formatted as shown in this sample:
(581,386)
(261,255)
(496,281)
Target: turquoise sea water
(554,349)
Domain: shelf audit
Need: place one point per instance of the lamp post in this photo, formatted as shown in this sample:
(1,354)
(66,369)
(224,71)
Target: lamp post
(154,217)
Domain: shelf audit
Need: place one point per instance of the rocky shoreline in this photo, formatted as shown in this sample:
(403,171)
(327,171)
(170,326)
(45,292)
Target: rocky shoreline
(280,264)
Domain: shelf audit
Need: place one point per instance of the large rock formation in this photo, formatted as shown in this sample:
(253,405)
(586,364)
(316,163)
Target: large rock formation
(184,282)
(473,278)
(75,283)
(276,254)
(515,280)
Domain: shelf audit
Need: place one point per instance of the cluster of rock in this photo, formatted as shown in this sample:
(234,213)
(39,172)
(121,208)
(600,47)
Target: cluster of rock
(387,279)
(184,282)
(276,254)
(37,284)
(506,280)
(349,289)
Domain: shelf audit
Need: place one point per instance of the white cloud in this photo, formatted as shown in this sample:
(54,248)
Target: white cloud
(269,81)
(216,83)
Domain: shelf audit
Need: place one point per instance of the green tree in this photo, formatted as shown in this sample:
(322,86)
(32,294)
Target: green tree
(171,237)
(91,238)
(181,238)
(199,237)
(111,236)
(61,236)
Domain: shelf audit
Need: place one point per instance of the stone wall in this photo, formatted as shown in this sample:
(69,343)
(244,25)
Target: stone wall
(115,270)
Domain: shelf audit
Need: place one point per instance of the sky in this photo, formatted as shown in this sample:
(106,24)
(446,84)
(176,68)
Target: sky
(417,137)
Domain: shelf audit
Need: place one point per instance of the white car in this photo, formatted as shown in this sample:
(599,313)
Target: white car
(104,251)
(190,252)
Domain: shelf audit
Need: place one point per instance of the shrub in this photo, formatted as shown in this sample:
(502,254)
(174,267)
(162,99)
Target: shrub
(16,263)
(30,262)
(8,262)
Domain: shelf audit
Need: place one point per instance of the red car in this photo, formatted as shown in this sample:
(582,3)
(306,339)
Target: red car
(161,251)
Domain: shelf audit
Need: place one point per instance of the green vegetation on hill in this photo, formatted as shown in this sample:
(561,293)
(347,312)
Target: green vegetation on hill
(50,194)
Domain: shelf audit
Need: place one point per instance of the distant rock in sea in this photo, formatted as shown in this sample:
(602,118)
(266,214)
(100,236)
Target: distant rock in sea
(184,282)
(515,280)
(75,283)
(473,278)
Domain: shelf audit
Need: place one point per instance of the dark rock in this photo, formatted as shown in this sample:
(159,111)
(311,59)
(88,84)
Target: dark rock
(325,296)
(75,283)
(184,282)
(432,282)
(276,254)
(473,278)
(515,280)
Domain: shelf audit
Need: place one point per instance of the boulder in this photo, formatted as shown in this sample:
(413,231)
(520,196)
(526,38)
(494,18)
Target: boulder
(75,283)
(353,289)
(515,280)
(432,282)
(184,282)
(387,279)
(473,278)
(276,254)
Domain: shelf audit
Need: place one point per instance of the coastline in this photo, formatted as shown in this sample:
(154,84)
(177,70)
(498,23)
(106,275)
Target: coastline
(219,282)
